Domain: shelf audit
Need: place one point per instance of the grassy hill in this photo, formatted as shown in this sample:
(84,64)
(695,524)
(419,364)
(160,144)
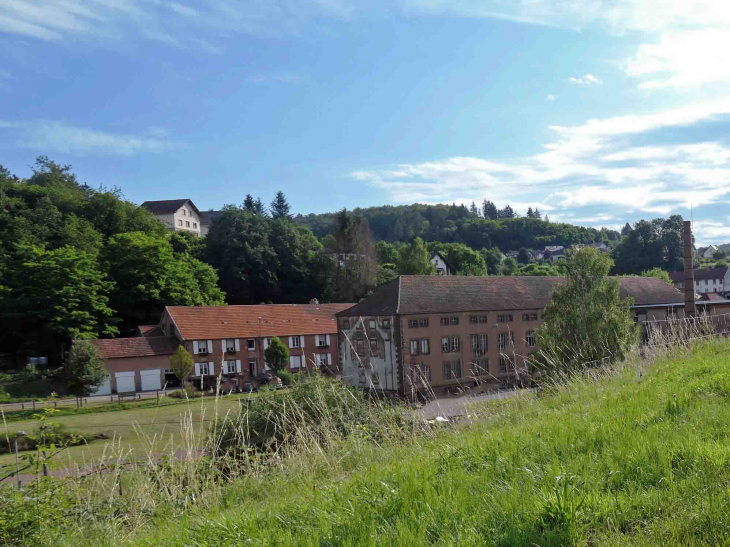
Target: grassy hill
(639,456)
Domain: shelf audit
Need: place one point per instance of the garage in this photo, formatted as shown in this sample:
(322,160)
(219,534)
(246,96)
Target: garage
(105,388)
(125,382)
(151,379)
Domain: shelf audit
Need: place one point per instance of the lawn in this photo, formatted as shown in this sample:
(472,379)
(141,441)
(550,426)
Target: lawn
(132,428)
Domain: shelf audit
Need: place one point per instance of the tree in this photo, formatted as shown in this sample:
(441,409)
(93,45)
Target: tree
(415,259)
(259,208)
(586,320)
(659,274)
(249,204)
(524,256)
(462,259)
(474,210)
(280,207)
(277,355)
(626,230)
(537,214)
(492,259)
(509,266)
(530,214)
(85,370)
(181,364)
(355,263)
(489,210)
(718,255)
(657,243)
(507,212)
(387,253)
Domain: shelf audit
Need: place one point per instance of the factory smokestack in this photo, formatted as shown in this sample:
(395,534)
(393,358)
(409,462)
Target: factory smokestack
(690,309)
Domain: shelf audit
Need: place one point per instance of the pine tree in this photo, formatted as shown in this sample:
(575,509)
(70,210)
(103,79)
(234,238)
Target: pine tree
(547,219)
(530,214)
(490,210)
(280,207)
(259,208)
(473,210)
(249,204)
(626,230)
(537,214)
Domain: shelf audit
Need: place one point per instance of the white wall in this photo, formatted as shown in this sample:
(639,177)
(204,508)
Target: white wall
(381,374)
(437,261)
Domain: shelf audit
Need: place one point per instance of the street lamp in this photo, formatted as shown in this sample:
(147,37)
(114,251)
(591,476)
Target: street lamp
(17,461)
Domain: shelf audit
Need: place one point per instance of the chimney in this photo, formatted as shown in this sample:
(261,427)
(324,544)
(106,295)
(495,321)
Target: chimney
(690,309)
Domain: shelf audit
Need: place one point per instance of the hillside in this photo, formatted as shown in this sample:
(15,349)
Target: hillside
(636,458)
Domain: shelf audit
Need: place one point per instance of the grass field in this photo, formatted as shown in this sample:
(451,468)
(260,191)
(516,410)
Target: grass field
(641,457)
(132,428)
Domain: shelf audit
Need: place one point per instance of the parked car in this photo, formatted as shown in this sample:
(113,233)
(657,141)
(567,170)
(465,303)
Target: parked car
(249,387)
(270,380)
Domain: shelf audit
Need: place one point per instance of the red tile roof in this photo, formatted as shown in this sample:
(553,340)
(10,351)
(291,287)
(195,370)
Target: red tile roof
(139,346)
(217,322)
(700,274)
(150,330)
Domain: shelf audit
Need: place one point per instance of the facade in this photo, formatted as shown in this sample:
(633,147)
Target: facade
(176,214)
(437,333)
(707,252)
(707,280)
(442,267)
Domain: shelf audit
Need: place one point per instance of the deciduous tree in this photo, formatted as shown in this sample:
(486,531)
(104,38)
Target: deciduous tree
(182,364)
(277,355)
(84,370)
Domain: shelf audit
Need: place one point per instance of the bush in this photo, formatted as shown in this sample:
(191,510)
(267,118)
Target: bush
(47,433)
(188,392)
(287,378)
(5,377)
(26,375)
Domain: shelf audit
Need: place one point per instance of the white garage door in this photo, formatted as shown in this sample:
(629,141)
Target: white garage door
(125,382)
(151,379)
(105,388)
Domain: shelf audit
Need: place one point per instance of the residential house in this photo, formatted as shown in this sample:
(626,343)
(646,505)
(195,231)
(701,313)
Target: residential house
(223,340)
(554,252)
(707,280)
(537,254)
(206,220)
(176,214)
(707,252)
(456,331)
(442,266)
(512,254)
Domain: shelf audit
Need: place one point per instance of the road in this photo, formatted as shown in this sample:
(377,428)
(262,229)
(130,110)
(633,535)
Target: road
(456,406)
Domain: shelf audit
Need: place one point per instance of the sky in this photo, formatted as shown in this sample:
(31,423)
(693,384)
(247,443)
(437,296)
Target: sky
(597,112)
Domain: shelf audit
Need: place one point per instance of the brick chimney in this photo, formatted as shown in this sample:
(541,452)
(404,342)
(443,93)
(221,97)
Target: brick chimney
(690,309)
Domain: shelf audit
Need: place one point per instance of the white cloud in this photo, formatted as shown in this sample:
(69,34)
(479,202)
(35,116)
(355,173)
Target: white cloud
(552,98)
(709,232)
(182,9)
(588,79)
(54,136)
(583,169)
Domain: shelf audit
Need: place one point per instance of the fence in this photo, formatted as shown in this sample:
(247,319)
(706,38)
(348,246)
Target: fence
(79,402)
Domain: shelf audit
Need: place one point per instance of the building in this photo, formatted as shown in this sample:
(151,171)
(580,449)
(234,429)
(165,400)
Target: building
(206,220)
(227,340)
(707,252)
(453,331)
(442,266)
(176,214)
(554,252)
(707,280)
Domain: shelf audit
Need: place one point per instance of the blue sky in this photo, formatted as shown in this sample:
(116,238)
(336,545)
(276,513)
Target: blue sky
(598,112)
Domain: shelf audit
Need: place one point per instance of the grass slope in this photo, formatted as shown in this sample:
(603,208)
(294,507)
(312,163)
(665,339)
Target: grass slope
(631,459)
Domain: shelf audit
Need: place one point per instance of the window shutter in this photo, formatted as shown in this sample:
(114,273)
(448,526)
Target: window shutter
(210,346)
(211,368)
(223,345)
(301,341)
(197,366)
(238,366)
(327,338)
(291,341)
(329,357)
(291,361)
(237,343)
(195,350)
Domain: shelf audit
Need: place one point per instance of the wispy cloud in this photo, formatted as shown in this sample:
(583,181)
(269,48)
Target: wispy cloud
(588,79)
(182,9)
(552,98)
(54,136)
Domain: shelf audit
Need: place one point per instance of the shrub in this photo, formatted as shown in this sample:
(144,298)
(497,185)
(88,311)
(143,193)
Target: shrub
(188,392)
(26,375)
(47,433)
(5,377)
(287,378)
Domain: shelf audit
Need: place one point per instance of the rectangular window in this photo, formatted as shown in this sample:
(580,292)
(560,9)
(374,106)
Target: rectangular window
(230,346)
(454,343)
(483,344)
(203,347)
(203,368)
(504,363)
(473,319)
(183,212)
(358,325)
(421,374)
(425,346)
(187,224)
(479,368)
(230,367)
(414,347)
(423,322)
(525,316)
(482,318)
(444,321)
(295,361)
(413,323)
(448,375)
(251,344)
(474,342)
(322,340)
(345,324)
(505,318)
(454,320)
(374,348)
(321,359)
(359,346)
(386,323)
(500,318)
(533,316)
(195,224)
(530,338)
(179,222)
(445,344)
(505,340)
(371,324)
(296,341)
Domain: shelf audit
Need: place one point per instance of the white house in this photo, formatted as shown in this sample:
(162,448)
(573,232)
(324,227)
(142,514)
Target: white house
(176,214)
(712,280)
(707,252)
(442,267)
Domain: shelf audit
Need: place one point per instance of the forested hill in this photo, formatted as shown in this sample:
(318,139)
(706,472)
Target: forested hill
(479,228)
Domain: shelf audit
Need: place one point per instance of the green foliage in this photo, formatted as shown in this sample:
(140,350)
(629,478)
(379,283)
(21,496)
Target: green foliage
(655,244)
(354,259)
(280,207)
(509,266)
(463,259)
(287,378)
(524,256)
(188,392)
(386,274)
(659,274)
(546,269)
(182,364)
(387,253)
(415,259)
(586,320)
(492,259)
(84,369)
(277,354)
(27,374)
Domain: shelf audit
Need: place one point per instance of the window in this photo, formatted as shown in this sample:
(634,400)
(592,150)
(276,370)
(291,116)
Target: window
(423,322)
(321,359)
(345,324)
(504,363)
(483,343)
(295,361)
(473,319)
(203,346)
(425,346)
(195,224)
(444,321)
(251,344)
(530,338)
(230,367)
(421,374)
(296,341)
(414,347)
(454,343)
(358,325)
(479,368)
(413,323)
(504,339)
(203,368)
(479,344)
(504,318)
(322,341)
(187,224)
(374,348)
(179,222)
(482,318)
(454,320)
(359,346)
(252,367)
(371,324)
(386,323)
(230,346)
(445,344)
(452,369)
(183,212)
(529,316)
(474,342)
